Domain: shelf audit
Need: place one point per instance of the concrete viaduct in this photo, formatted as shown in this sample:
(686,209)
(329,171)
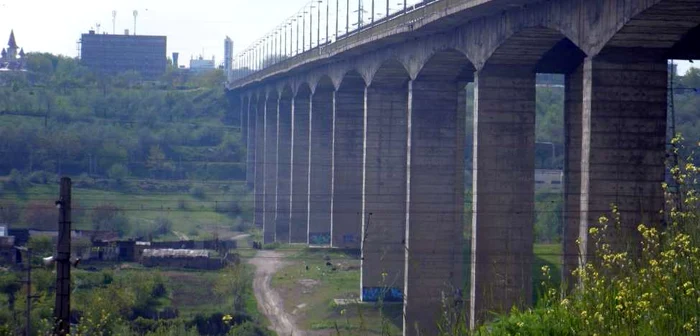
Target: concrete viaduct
(359,143)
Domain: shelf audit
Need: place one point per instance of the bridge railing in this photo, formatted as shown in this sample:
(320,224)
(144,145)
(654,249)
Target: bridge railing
(319,23)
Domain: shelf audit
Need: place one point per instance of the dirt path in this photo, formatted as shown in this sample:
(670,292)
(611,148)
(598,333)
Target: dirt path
(269,302)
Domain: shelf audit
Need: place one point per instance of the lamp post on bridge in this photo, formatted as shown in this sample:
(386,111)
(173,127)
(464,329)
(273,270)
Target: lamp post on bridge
(303,29)
(318,23)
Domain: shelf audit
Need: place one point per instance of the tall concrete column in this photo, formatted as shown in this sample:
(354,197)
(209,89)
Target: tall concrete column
(270,110)
(320,164)
(573,105)
(623,144)
(348,126)
(384,198)
(248,135)
(258,112)
(284,166)
(503,190)
(300,168)
(435,184)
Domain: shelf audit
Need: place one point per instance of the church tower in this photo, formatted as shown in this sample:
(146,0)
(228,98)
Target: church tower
(12,47)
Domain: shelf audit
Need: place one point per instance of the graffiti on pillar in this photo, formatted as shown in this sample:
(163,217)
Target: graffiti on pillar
(386,294)
(320,238)
(348,238)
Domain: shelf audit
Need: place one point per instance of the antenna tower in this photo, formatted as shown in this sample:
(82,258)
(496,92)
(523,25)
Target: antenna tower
(136,14)
(114,22)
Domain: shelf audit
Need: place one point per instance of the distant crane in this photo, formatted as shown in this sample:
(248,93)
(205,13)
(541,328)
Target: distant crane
(114,22)
(136,14)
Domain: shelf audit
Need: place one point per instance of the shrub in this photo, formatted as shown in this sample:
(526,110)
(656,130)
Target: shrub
(41,215)
(163,226)
(198,192)
(111,218)
(118,172)
(16,180)
(41,177)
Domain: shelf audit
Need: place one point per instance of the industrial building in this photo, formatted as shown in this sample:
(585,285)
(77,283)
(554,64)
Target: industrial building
(113,54)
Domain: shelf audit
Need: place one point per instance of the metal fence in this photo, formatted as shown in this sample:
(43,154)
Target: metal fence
(317,24)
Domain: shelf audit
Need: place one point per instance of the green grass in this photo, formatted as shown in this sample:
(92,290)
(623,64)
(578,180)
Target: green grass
(317,287)
(321,313)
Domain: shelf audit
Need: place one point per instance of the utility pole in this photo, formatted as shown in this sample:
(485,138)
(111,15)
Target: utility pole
(28,282)
(62,307)
(29,293)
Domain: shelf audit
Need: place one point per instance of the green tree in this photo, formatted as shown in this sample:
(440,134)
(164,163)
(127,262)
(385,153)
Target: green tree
(41,215)
(118,172)
(110,218)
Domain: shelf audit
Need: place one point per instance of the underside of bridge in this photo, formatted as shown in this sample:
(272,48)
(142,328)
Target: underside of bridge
(365,150)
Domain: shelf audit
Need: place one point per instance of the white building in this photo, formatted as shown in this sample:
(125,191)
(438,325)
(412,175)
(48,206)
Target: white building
(549,180)
(201,64)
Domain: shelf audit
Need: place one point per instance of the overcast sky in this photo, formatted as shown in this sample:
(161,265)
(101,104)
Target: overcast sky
(193,27)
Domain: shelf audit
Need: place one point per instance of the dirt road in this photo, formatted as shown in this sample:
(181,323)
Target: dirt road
(269,302)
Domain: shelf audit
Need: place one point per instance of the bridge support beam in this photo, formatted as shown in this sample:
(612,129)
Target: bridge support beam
(348,126)
(300,168)
(503,190)
(384,197)
(573,131)
(434,216)
(270,163)
(258,111)
(623,144)
(320,167)
(284,157)
(248,126)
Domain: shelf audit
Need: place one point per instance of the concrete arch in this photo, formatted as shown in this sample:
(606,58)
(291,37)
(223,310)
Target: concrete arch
(527,48)
(665,28)
(302,88)
(286,90)
(322,83)
(655,24)
(352,77)
(390,72)
(481,38)
(447,65)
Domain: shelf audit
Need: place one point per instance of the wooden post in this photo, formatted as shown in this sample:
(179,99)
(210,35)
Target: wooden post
(62,307)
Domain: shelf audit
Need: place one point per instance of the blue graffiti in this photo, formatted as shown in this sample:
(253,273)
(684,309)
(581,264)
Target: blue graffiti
(323,238)
(387,294)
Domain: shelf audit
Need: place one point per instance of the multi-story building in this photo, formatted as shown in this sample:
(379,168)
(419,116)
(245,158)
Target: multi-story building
(228,54)
(113,54)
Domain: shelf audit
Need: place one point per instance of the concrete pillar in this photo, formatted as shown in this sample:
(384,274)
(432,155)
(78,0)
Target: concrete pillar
(320,164)
(300,168)
(503,190)
(258,111)
(248,135)
(384,198)
(270,110)
(623,144)
(284,165)
(573,105)
(435,185)
(348,126)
